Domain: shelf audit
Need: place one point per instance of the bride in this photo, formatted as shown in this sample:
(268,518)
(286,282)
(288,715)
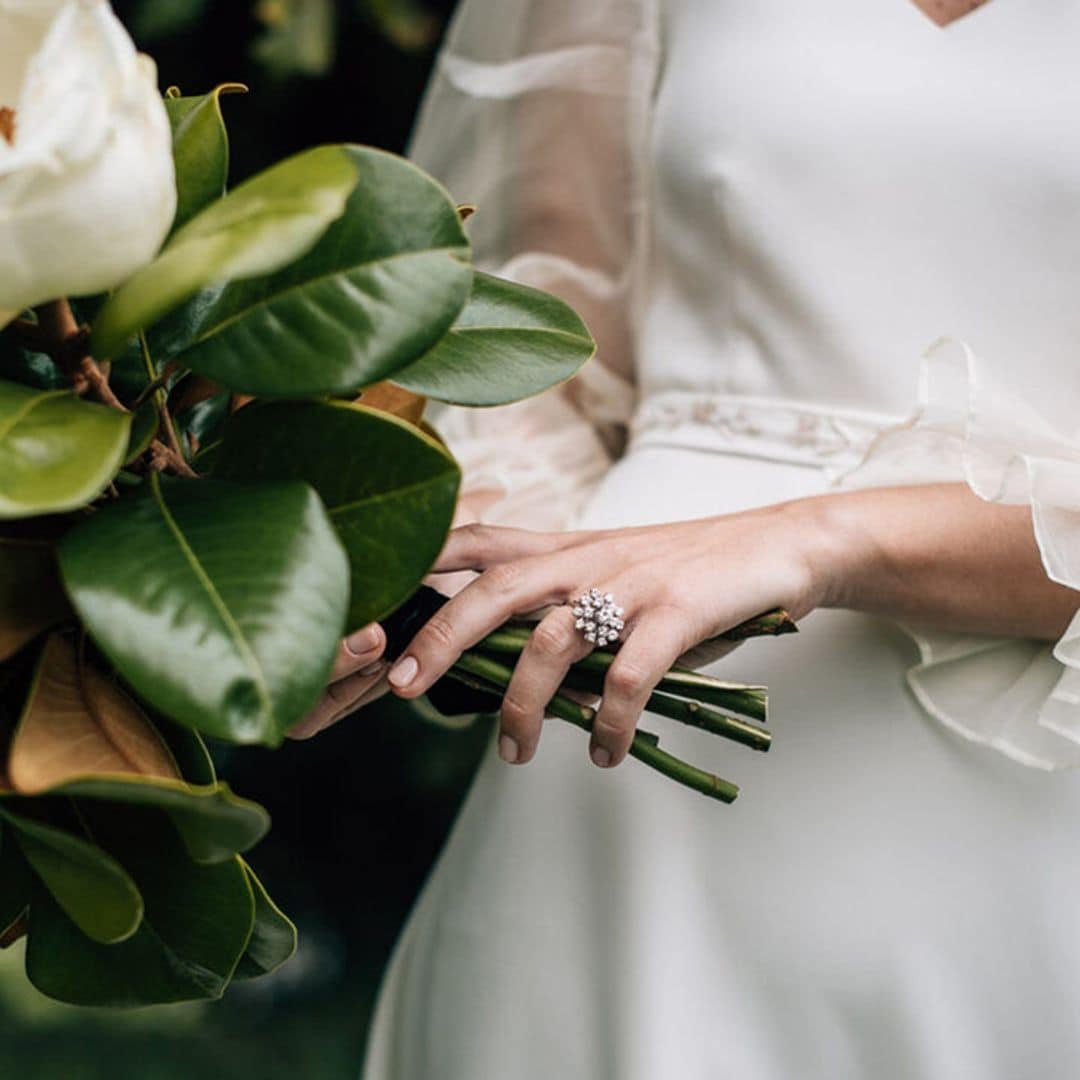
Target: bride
(765,210)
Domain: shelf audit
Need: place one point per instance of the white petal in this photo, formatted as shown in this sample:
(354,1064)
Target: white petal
(87,191)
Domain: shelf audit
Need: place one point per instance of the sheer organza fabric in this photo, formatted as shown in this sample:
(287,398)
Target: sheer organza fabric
(539,117)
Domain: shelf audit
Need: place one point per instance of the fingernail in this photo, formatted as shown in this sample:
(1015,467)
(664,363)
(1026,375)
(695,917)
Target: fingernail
(363,641)
(508,749)
(404,671)
(601,756)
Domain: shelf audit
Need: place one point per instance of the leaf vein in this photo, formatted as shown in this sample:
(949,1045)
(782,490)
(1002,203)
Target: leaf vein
(214,596)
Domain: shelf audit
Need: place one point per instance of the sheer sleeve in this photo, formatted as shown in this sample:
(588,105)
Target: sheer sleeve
(538,113)
(1021,697)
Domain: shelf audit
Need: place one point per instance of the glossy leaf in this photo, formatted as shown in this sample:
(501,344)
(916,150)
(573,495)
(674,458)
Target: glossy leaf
(262,225)
(508,343)
(390,490)
(196,926)
(227,614)
(213,822)
(144,427)
(16,880)
(92,888)
(57,452)
(378,290)
(31,596)
(77,723)
(28,367)
(273,937)
(188,751)
(200,149)
(202,421)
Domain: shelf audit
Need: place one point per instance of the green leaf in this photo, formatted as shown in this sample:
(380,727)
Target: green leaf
(197,923)
(28,367)
(508,343)
(204,420)
(91,887)
(259,227)
(213,822)
(144,426)
(273,938)
(16,880)
(390,490)
(200,149)
(227,612)
(188,751)
(378,290)
(57,452)
(31,597)
(299,40)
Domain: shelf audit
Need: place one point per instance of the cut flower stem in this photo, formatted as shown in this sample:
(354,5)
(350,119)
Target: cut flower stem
(484,673)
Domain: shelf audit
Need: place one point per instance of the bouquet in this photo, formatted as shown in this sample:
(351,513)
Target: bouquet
(213,465)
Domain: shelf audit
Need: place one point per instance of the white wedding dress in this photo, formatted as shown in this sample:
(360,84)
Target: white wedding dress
(767,210)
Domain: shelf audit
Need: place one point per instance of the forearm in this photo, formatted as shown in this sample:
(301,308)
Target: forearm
(936,553)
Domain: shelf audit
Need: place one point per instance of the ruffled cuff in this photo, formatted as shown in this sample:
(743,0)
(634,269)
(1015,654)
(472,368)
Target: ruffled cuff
(1021,697)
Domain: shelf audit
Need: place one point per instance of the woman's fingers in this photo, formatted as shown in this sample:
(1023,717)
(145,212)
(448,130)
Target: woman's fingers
(476,546)
(358,650)
(357,666)
(657,638)
(552,647)
(341,698)
(506,589)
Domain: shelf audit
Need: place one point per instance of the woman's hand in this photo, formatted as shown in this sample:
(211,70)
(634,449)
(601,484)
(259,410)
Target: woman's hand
(678,583)
(933,553)
(358,678)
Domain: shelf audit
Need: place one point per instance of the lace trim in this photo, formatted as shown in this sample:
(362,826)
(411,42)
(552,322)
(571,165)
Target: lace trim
(757,427)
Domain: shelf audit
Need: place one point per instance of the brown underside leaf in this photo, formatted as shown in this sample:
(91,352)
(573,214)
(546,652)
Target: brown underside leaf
(10,934)
(31,597)
(78,723)
(427,429)
(193,390)
(388,398)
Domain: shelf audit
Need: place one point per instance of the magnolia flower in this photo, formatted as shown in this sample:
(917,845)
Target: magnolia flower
(87,188)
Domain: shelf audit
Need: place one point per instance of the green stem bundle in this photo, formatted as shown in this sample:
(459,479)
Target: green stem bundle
(483,673)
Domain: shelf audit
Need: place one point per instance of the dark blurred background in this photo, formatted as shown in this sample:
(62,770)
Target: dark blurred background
(361,811)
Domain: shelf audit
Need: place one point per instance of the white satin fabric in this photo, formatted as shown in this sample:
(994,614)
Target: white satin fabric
(766,210)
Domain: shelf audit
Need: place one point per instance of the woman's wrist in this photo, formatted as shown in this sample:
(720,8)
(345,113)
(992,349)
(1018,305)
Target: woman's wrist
(835,545)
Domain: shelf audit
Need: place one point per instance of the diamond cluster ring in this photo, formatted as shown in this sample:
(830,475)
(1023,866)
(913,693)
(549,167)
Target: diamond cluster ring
(598,616)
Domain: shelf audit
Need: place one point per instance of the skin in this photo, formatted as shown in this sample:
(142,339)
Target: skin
(935,553)
(944,12)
